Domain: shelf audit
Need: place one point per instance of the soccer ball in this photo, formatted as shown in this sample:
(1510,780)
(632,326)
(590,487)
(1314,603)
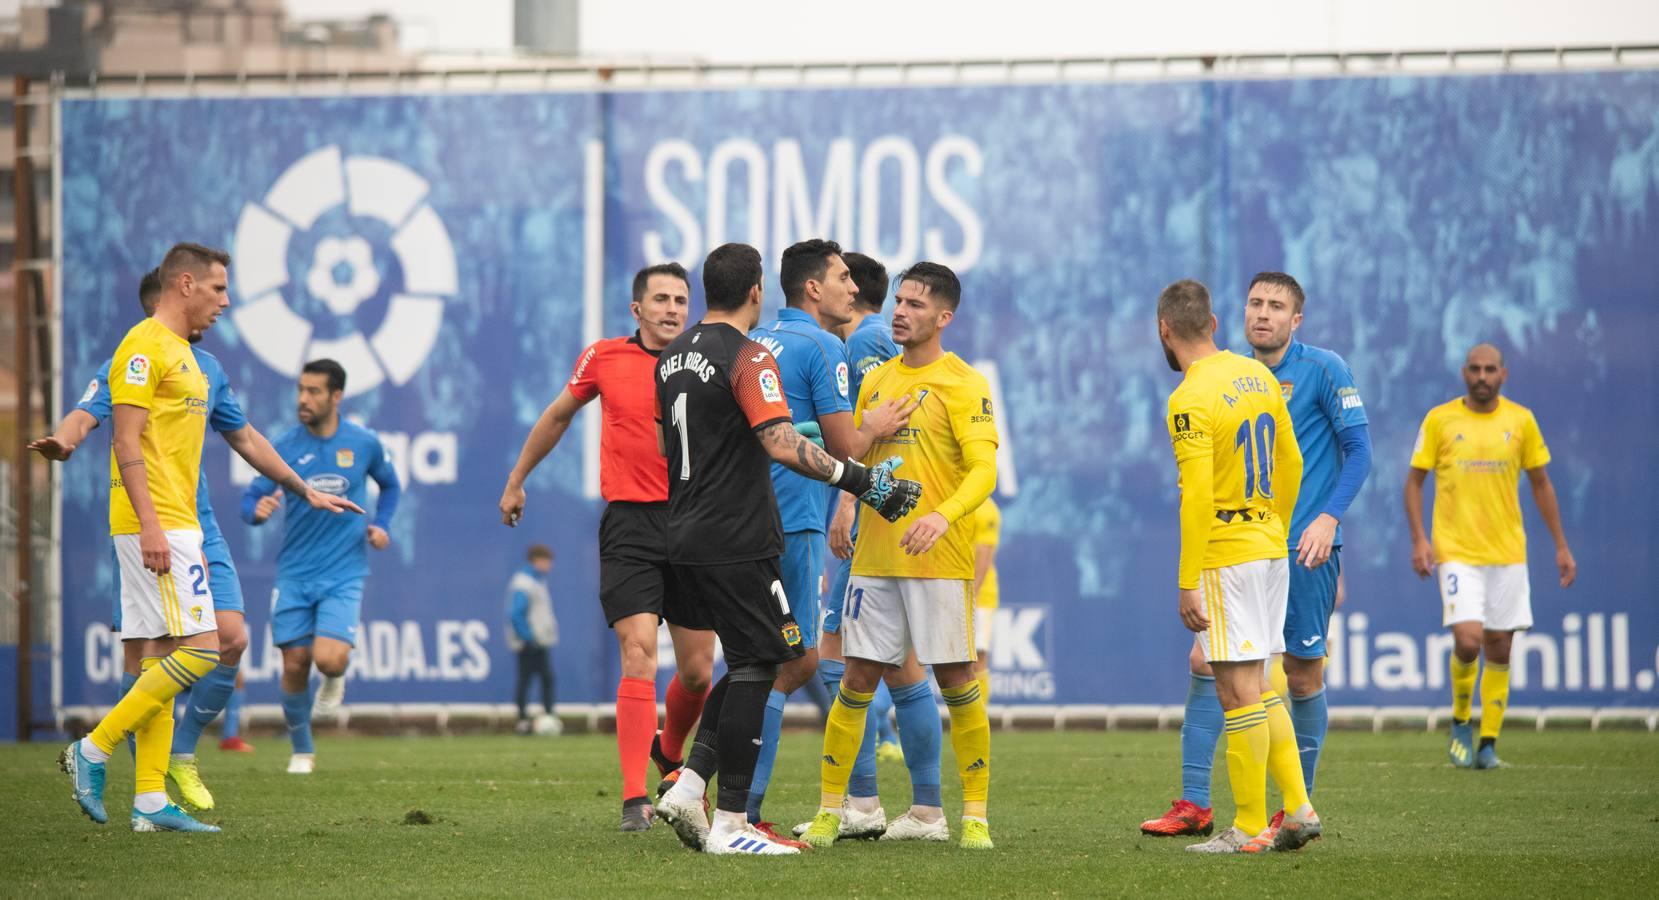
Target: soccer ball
(548,726)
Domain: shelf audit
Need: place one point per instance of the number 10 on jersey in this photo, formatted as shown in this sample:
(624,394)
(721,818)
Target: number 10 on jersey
(1257,440)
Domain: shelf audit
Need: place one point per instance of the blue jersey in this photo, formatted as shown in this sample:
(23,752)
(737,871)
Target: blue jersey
(224,414)
(1324,402)
(870,345)
(813,364)
(317,544)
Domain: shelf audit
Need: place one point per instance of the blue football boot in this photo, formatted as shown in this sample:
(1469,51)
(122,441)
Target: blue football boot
(170,818)
(88,779)
(1462,750)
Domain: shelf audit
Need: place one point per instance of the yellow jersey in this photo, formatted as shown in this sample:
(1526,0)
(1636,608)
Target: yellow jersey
(988,533)
(154,369)
(1477,460)
(953,423)
(1234,442)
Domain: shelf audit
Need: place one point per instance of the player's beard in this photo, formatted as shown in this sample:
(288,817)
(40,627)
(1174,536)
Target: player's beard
(1273,345)
(1169,356)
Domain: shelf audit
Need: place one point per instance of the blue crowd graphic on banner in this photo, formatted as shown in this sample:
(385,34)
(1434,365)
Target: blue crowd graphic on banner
(435,244)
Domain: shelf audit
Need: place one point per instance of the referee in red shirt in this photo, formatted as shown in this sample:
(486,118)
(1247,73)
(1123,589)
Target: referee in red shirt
(636,583)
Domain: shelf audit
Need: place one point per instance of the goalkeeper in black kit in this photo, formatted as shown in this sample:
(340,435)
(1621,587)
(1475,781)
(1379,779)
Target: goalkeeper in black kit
(723,421)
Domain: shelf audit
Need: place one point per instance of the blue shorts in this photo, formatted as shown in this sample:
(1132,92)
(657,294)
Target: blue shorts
(222,580)
(836,597)
(803,565)
(1312,600)
(303,610)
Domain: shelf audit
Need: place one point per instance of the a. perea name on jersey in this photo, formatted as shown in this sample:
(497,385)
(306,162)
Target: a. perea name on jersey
(693,361)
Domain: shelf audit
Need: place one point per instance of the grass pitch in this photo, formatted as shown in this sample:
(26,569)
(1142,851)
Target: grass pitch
(1577,814)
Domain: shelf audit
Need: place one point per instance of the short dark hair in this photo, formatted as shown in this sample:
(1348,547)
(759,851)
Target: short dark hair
(192,258)
(1185,306)
(336,373)
(871,277)
(149,290)
(729,272)
(939,281)
(802,262)
(1280,280)
(542,551)
(643,278)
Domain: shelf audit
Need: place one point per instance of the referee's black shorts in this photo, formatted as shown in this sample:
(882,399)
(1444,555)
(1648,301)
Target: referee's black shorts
(745,603)
(634,574)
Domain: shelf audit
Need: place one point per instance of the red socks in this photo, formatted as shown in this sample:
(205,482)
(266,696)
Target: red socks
(684,708)
(636,724)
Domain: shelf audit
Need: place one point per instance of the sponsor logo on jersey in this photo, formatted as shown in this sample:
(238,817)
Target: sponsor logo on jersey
(344,457)
(984,411)
(1349,397)
(138,369)
(770,390)
(1182,426)
(305,459)
(329,483)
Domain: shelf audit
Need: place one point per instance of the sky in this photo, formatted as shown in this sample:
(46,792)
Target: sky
(770,31)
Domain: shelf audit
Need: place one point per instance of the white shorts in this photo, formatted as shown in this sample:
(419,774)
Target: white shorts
(1246,608)
(984,616)
(178,604)
(1499,597)
(884,617)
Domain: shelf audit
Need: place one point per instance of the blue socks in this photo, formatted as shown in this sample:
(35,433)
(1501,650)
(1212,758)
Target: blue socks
(770,730)
(127,681)
(207,699)
(863,780)
(921,736)
(879,708)
(1309,716)
(814,690)
(1200,732)
(296,710)
(233,714)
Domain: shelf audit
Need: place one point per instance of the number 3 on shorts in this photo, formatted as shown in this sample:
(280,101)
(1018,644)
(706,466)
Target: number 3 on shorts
(1451,584)
(783,599)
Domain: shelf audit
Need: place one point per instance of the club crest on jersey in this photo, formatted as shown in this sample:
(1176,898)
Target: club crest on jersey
(792,634)
(770,390)
(1287,388)
(344,457)
(138,369)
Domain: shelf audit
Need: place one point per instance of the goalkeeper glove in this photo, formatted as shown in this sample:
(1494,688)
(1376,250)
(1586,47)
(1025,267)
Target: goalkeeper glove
(876,487)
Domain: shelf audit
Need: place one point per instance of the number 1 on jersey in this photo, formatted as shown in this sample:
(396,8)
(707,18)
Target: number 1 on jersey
(677,413)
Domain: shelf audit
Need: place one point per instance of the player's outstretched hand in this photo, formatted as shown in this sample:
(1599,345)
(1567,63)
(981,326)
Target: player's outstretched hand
(1568,566)
(1314,546)
(841,530)
(1422,558)
(511,505)
(892,497)
(330,502)
(53,448)
(1192,610)
(378,538)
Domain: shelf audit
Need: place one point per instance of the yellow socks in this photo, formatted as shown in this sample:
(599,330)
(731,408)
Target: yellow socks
(970,737)
(154,691)
(1276,678)
(1494,699)
(1284,761)
(1463,687)
(1247,750)
(152,743)
(843,733)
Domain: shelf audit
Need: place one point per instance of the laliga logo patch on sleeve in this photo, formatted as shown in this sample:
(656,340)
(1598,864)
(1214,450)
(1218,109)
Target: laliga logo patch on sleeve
(841,378)
(91,391)
(769,388)
(138,370)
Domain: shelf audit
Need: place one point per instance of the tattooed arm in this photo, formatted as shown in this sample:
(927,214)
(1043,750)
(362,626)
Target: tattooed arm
(892,497)
(788,448)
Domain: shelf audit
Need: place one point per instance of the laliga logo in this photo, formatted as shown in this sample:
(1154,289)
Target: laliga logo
(342,273)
